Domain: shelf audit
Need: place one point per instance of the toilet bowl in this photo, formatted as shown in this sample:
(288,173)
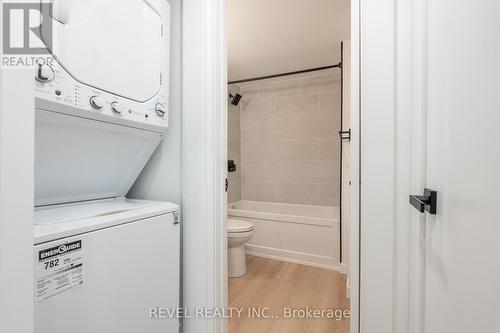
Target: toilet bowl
(238,232)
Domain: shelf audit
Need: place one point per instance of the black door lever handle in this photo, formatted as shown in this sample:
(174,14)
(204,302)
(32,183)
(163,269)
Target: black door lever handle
(425,203)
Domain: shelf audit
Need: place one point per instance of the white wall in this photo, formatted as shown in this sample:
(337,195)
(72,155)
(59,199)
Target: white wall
(17,119)
(161,179)
(269,37)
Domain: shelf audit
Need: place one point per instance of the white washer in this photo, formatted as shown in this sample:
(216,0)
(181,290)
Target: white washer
(102,265)
(101,260)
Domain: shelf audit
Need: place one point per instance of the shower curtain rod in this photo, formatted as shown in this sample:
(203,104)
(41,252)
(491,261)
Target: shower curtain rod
(339,65)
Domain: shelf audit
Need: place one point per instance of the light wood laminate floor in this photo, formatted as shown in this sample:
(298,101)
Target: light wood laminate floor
(278,285)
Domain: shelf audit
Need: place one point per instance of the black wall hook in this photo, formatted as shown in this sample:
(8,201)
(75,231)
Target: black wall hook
(231,166)
(345,135)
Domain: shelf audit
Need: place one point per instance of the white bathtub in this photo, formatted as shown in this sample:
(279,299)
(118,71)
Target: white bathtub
(296,233)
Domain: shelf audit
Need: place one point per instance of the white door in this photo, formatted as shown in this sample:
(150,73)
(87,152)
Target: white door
(460,244)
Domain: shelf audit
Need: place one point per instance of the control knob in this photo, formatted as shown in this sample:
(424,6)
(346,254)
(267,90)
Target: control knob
(44,73)
(117,108)
(160,110)
(96,102)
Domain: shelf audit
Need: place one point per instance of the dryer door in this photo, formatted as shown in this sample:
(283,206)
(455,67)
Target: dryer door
(112,45)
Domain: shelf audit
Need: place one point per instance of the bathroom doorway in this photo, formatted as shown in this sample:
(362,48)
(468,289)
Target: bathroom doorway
(288,187)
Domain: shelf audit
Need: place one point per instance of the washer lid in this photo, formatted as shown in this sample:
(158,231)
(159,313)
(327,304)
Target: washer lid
(238,226)
(112,45)
(88,210)
(60,221)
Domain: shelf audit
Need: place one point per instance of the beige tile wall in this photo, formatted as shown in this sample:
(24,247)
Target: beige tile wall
(234,149)
(290,141)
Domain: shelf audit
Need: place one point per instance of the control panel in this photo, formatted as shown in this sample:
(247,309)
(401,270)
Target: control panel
(55,86)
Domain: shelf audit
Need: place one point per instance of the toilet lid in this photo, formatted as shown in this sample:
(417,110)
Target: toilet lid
(238,226)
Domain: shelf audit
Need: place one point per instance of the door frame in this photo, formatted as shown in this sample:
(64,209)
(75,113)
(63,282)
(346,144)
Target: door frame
(392,37)
(383,102)
(378,166)
(204,167)
(205,145)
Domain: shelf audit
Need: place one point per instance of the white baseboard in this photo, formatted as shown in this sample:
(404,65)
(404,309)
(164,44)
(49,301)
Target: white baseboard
(294,257)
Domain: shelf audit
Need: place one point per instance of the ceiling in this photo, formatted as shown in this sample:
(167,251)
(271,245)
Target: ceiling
(274,36)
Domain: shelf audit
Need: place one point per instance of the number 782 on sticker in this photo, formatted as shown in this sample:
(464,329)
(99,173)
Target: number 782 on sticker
(51,263)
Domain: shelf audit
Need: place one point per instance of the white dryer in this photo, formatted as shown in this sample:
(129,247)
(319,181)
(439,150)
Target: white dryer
(102,108)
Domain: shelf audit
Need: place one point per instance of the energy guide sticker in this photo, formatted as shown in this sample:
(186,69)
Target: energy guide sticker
(59,269)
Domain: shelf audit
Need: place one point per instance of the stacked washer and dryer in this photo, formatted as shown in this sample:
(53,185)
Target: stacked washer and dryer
(102,261)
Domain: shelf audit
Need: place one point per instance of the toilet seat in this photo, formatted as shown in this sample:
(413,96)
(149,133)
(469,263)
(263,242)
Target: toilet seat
(238,226)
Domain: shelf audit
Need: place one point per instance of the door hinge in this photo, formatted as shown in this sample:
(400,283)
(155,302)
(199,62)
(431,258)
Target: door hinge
(227,185)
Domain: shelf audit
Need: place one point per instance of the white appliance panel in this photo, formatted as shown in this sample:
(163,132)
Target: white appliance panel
(125,270)
(112,45)
(111,61)
(62,95)
(78,159)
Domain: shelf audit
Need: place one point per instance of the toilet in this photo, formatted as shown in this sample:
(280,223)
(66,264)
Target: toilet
(238,232)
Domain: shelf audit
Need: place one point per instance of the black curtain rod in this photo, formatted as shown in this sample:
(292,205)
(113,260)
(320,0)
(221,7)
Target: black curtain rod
(339,65)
